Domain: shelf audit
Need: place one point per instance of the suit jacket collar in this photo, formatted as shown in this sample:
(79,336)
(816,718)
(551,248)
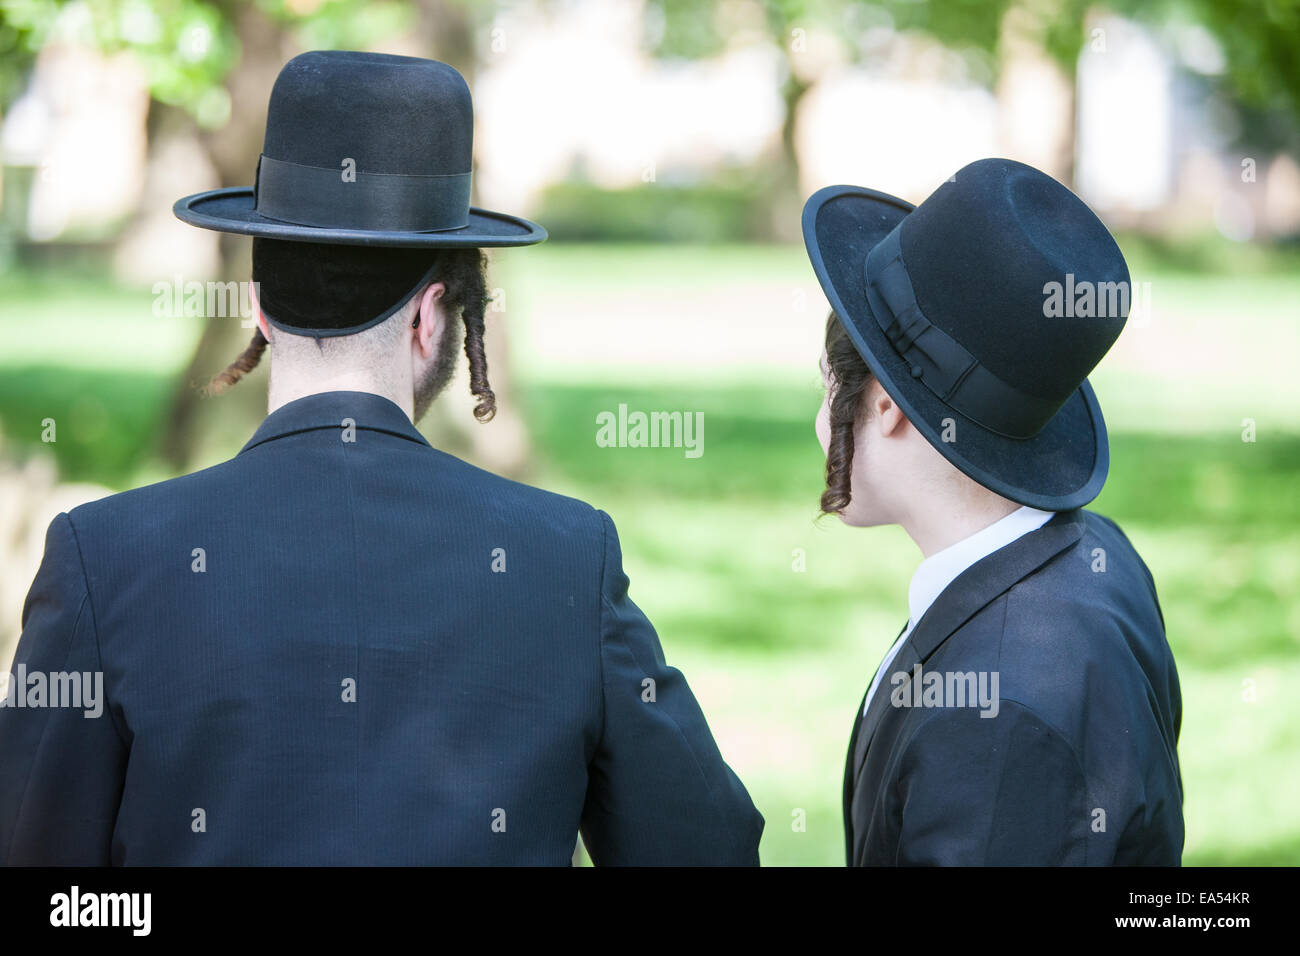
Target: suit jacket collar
(973,589)
(329,410)
(991,577)
(933,575)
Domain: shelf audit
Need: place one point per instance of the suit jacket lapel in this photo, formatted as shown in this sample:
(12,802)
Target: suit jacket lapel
(849,763)
(852,757)
(902,665)
(969,592)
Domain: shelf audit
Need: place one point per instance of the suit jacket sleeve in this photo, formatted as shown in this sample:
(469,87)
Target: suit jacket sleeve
(1005,790)
(658,791)
(61,770)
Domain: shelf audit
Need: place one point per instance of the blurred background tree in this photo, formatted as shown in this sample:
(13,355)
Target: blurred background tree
(210,67)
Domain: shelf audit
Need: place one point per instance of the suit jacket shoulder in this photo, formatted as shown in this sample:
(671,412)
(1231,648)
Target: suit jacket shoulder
(345,646)
(138,512)
(1070,756)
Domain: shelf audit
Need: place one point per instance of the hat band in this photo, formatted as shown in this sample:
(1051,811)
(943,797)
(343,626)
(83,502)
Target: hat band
(938,360)
(372,202)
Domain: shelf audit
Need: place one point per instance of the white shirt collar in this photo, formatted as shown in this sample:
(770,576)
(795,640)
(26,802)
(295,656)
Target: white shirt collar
(940,569)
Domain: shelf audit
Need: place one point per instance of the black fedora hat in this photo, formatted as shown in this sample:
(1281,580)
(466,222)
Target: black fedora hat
(982,311)
(363,149)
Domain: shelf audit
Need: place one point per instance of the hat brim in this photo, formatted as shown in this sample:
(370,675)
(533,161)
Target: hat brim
(231,210)
(1062,467)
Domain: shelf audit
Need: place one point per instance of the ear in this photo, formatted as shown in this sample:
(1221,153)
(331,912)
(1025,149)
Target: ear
(428,333)
(888,417)
(257,310)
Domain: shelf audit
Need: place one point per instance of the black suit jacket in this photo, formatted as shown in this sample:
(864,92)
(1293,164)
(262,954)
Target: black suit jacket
(1079,765)
(345,647)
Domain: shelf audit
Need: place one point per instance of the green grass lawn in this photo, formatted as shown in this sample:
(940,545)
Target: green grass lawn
(779,657)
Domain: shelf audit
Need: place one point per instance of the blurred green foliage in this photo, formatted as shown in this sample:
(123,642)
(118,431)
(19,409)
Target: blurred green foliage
(187,47)
(1257,37)
(727,208)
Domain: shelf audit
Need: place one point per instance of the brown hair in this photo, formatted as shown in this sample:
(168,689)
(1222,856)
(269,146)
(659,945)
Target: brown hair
(463,272)
(848,380)
(232,373)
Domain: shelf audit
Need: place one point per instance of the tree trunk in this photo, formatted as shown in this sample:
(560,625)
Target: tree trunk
(194,424)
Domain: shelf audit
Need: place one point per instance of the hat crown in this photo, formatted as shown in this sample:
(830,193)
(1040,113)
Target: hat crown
(1020,272)
(383,113)
(363,149)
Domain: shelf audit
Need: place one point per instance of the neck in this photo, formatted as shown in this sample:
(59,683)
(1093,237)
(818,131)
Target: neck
(286,388)
(942,520)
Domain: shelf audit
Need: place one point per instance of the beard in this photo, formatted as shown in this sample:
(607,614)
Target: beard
(437,375)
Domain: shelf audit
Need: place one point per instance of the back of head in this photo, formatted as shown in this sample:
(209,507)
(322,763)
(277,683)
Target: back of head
(345,308)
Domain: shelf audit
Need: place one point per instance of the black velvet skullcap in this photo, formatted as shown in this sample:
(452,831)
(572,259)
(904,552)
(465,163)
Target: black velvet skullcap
(320,289)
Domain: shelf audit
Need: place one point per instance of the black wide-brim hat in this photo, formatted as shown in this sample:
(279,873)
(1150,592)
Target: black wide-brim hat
(363,149)
(234,210)
(947,304)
